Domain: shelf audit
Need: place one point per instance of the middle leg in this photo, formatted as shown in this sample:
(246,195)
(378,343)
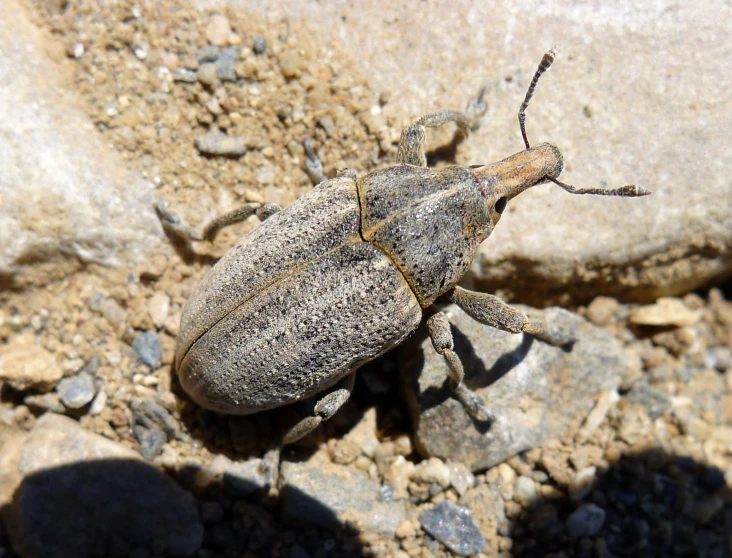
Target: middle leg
(411,143)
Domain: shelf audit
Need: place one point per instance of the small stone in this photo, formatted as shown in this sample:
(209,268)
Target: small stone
(110,309)
(207,74)
(151,441)
(244,478)
(453,526)
(291,64)
(607,401)
(78,50)
(218,143)
(98,403)
(666,311)
(585,521)
(260,45)
(344,451)
(208,53)
(76,391)
(225,64)
(602,310)
(582,483)
(185,75)
(460,477)
(147,347)
(24,365)
(46,402)
(432,470)
(525,492)
(397,475)
(158,306)
(218,30)
(652,399)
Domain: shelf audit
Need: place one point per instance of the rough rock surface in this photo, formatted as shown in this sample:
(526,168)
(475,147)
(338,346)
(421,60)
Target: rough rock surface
(66,198)
(25,365)
(78,494)
(332,495)
(624,103)
(537,391)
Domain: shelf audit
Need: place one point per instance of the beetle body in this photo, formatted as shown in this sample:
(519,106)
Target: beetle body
(349,270)
(336,279)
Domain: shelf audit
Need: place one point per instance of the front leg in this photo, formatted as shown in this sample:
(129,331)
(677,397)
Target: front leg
(438,327)
(411,144)
(492,311)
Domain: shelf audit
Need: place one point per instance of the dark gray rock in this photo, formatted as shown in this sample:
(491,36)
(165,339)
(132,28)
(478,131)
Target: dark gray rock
(76,391)
(79,495)
(453,526)
(151,441)
(147,347)
(537,391)
(260,45)
(219,144)
(331,495)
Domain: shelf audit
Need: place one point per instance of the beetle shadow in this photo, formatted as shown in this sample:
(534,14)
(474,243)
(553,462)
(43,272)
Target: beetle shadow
(446,153)
(120,507)
(647,504)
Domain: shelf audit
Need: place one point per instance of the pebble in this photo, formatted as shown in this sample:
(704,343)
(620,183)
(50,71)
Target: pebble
(453,526)
(158,306)
(46,401)
(76,391)
(652,399)
(110,309)
(151,441)
(24,365)
(582,483)
(665,311)
(432,470)
(185,75)
(602,310)
(147,347)
(460,477)
(225,64)
(260,45)
(585,521)
(219,144)
(218,30)
(525,492)
(207,74)
(208,53)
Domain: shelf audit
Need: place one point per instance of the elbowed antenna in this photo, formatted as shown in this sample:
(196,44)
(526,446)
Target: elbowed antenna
(628,190)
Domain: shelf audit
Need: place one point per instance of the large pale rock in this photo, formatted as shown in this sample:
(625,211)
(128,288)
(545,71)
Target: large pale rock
(65,197)
(537,391)
(71,493)
(25,365)
(639,94)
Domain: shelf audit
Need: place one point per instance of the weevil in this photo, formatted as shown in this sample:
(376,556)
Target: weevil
(350,270)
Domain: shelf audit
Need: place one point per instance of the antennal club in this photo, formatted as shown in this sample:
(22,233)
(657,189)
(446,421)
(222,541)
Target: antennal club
(628,191)
(546,62)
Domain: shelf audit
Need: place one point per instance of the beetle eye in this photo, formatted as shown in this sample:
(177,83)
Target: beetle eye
(501,205)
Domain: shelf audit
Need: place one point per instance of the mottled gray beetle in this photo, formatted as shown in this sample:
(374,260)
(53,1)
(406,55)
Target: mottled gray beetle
(348,272)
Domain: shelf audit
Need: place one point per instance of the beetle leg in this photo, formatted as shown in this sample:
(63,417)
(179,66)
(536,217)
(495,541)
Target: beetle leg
(492,311)
(325,408)
(439,330)
(172,221)
(411,143)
